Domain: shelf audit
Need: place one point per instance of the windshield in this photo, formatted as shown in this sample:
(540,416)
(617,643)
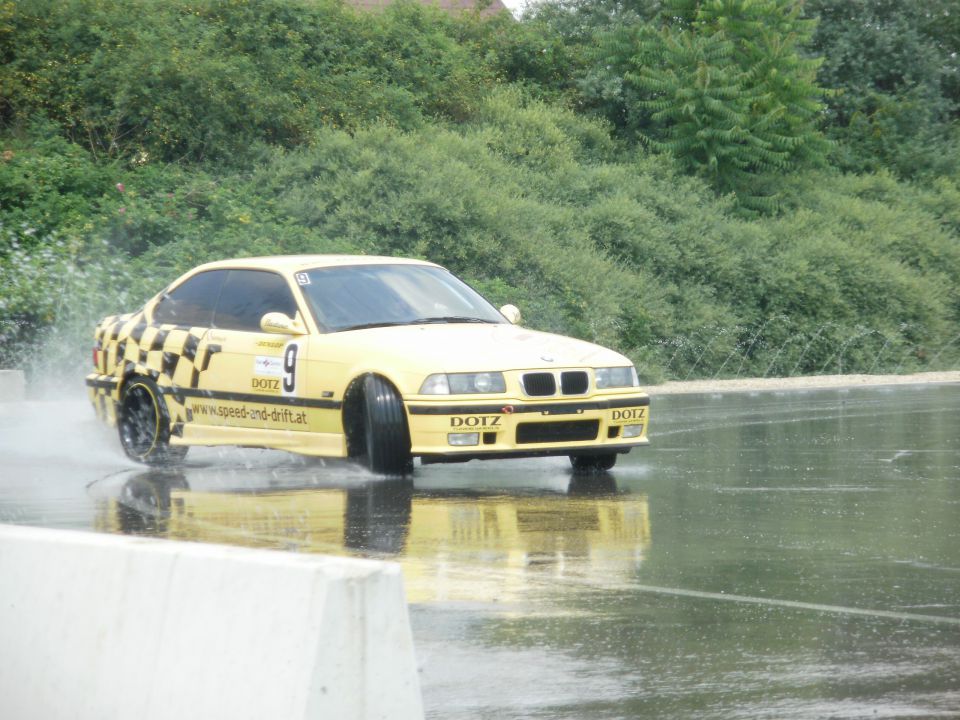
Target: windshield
(362,296)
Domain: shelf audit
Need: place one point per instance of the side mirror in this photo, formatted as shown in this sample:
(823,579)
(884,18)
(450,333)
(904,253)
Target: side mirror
(511,313)
(279,324)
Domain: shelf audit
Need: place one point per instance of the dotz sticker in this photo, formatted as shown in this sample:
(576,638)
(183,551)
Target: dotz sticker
(472,421)
(269,385)
(629,414)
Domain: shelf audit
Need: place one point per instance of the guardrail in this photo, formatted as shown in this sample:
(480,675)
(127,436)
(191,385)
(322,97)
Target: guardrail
(101,626)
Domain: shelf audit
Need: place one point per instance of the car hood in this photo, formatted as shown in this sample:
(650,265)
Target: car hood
(477,348)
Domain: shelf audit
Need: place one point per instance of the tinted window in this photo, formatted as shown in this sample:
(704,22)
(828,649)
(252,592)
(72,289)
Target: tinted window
(248,295)
(191,303)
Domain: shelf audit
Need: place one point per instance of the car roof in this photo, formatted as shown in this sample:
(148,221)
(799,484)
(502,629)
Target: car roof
(294,263)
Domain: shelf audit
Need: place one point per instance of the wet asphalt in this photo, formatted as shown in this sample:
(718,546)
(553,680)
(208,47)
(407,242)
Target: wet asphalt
(770,555)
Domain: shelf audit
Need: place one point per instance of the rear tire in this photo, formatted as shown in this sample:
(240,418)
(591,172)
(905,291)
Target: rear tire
(593,463)
(385,428)
(144,424)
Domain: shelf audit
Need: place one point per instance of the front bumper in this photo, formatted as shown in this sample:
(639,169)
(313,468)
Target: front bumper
(444,431)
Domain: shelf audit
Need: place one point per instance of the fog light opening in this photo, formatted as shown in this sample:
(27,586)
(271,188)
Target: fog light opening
(632,431)
(463,439)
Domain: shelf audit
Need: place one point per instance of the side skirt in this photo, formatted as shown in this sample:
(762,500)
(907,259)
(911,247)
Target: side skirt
(304,443)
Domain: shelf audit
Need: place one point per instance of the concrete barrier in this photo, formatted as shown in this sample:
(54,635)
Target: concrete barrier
(13,386)
(102,626)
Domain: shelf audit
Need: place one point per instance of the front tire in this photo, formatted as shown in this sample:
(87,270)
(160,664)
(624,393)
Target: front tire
(385,428)
(144,424)
(593,463)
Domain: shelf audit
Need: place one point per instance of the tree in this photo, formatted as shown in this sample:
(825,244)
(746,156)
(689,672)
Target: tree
(722,85)
(895,67)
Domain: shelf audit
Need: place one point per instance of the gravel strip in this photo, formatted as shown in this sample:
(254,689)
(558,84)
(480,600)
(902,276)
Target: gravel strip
(800,383)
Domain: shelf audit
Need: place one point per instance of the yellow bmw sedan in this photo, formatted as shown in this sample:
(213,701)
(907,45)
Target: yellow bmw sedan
(378,359)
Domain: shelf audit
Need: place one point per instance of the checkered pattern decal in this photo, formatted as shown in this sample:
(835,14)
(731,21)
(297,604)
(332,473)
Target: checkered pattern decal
(166,353)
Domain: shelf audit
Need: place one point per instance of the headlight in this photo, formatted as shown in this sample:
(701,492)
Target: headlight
(464,384)
(616,377)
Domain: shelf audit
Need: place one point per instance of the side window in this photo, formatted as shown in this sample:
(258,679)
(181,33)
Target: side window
(248,295)
(192,302)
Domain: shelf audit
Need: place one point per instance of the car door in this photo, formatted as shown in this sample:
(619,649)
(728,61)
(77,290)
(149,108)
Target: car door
(254,379)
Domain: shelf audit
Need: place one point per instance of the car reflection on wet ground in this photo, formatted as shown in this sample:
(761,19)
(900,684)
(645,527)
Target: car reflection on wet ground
(770,555)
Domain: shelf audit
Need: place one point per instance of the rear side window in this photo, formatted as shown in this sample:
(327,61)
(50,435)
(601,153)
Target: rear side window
(192,302)
(248,295)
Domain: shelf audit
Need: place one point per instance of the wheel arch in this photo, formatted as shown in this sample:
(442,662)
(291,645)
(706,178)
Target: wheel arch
(135,371)
(132,371)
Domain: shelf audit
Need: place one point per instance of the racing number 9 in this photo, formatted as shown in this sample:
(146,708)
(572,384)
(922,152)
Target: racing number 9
(290,368)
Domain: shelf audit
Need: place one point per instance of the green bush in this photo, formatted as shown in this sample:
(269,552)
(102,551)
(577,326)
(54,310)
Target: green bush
(48,183)
(207,81)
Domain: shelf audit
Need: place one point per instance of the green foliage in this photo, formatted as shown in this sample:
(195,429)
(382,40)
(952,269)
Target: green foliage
(896,69)
(720,85)
(209,80)
(46,182)
(307,128)
(528,54)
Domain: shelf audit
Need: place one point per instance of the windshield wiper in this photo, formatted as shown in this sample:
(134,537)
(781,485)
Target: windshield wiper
(367,326)
(418,321)
(451,319)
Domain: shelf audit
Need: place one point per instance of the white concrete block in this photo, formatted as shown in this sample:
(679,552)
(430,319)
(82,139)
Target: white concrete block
(104,626)
(13,386)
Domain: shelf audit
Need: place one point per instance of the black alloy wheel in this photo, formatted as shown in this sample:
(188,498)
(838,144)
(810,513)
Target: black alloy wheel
(144,424)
